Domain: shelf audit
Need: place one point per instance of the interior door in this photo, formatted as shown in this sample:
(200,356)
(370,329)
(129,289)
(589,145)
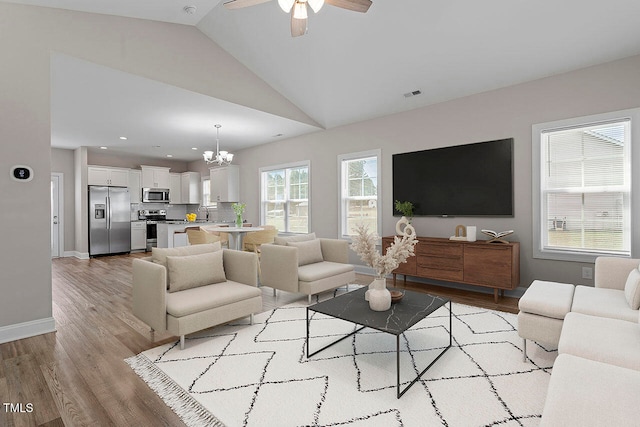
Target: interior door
(55,216)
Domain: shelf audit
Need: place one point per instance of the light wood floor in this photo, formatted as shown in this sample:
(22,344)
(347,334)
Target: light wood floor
(77,376)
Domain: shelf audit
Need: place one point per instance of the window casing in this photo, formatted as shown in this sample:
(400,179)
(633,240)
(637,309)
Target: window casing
(359,191)
(206,193)
(285,198)
(582,188)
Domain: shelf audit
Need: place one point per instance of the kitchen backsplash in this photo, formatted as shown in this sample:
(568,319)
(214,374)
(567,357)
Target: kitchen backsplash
(221,213)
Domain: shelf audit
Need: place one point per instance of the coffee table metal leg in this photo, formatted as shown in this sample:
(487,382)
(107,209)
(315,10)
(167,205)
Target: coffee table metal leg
(399,392)
(330,344)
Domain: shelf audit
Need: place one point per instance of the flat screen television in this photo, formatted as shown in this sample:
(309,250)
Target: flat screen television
(463,180)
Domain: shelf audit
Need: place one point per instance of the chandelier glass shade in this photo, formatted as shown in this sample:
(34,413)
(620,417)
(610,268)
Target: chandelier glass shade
(219,157)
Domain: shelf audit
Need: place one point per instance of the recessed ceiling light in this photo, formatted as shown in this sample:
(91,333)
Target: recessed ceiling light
(194,148)
(103,148)
(123,137)
(169,155)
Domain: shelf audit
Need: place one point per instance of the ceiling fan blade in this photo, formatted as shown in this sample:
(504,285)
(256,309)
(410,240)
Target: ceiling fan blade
(355,5)
(239,4)
(298,26)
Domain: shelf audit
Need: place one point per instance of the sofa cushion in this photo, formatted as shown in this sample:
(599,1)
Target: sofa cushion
(322,270)
(159,255)
(548,299)
(309,251)
(632,289)
(583,392)
(192,271)
(603,302)
(282,240)
(196,300)
(612,341)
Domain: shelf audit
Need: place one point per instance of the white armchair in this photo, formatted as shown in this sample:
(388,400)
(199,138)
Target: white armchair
(187,289)
(306,265)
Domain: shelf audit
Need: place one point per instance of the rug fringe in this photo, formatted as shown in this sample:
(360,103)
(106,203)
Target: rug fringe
(186,407)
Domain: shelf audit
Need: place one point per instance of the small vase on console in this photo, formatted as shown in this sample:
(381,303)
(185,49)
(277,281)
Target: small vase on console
(378,295)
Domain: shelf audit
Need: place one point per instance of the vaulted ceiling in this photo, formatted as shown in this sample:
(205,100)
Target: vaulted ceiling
(352,67)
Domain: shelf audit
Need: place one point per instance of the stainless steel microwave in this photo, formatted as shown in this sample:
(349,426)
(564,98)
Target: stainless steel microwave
(155,195)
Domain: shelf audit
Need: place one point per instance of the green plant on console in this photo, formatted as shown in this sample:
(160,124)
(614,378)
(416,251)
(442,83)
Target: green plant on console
(405,208)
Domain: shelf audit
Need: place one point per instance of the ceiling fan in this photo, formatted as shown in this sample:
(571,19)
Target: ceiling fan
(298,9)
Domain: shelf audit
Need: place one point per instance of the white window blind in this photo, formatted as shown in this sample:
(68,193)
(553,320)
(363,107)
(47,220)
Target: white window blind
(585,189)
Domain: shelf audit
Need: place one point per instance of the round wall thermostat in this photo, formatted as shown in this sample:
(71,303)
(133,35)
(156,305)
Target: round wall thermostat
(21,173)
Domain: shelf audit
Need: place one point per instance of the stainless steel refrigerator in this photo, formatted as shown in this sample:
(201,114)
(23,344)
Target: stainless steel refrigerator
(109,220)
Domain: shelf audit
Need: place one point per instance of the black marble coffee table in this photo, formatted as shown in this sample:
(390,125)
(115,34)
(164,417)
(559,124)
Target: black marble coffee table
(402,315)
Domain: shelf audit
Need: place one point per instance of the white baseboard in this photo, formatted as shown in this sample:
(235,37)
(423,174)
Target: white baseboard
(76,254)
(27,329)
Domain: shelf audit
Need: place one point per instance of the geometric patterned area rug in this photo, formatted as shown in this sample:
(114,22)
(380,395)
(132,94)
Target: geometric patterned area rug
(259,375)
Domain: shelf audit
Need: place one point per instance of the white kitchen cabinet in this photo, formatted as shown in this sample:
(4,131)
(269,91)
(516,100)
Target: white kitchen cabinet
(135,187)
(155,177)
(138,235)
(100,175)
(225,184)
(175,188)
(190,186)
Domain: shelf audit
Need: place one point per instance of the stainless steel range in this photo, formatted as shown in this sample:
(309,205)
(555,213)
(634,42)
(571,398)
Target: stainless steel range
(152,217)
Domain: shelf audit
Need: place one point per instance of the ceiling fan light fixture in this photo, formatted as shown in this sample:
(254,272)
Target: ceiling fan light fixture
(286,5)
(316,5)
(300,10)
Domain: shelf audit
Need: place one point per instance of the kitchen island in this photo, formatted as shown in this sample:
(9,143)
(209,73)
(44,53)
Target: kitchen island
(171,234)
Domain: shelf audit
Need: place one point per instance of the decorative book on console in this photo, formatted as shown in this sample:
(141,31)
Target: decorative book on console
(497,236)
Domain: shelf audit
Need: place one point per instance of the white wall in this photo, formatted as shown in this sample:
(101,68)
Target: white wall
(503,113)
(173,54)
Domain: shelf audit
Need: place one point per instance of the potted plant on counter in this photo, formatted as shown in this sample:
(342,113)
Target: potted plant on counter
(238,208)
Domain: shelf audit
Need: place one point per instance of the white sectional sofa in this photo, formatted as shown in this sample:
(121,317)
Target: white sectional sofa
(596,378)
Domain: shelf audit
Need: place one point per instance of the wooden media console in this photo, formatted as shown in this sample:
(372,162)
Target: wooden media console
(479,263)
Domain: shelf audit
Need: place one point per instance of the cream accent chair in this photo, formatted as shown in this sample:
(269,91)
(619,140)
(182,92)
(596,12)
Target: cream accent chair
(190,288)
(304,264)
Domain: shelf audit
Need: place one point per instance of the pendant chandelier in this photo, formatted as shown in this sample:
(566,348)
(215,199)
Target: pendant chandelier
(220,157)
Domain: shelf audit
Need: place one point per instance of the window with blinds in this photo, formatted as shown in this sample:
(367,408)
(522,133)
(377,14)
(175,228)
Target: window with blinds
(359,183)
(585,184)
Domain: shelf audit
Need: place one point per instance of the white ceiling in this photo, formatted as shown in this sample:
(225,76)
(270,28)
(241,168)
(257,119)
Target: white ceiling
(94,106)
(352,67)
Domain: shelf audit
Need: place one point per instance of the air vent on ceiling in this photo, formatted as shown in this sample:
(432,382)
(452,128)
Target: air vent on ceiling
(413,93)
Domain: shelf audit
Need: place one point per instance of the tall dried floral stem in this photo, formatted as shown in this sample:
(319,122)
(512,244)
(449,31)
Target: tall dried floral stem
(364,244)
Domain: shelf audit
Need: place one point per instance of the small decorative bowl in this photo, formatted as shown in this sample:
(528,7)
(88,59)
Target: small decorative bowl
(396,295)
